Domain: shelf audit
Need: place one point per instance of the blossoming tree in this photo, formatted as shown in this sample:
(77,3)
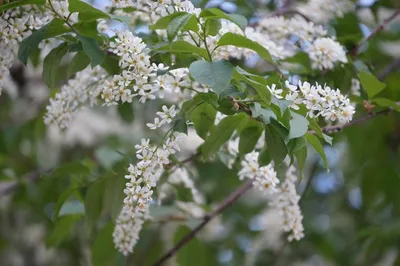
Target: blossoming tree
(247,99)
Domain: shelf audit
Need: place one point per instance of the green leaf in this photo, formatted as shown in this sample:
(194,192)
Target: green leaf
(86,11)
(298,125)
(185,48)
(51,65)
(221,134)
(212,27)
(260,88)
(189,106)
(78,63)
(211,13)
(69,169)
(371,84)
(15,4)
(92,50)
(110,64)
(265,113)
(301,156)
(163,22)
(242,41)
(72,207)
(217,74)
(203,118)
(383,102)
(184,21)
(180,126)
(30,44)
(86,28)
(61,200)
(249,136)
(125,111)
(114,195)
(276,146)
(103,250)
(62,229)
(296,144)
(313,140)
(93,201)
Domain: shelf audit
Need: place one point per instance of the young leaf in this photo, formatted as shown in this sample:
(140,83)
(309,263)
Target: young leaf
(371,84)
(17,3)
(217,74)
(30,44)
(203,119)
(51,65)
(249,136)
(86,11)
(298,125)
(276,146)
(313,140)
(221,134)
(78,63)
(242,41)
(92,49)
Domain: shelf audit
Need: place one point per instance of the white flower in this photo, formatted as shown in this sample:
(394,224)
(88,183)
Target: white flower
(275,92)
(157,123)
(325,52)
(167,114)
(144,145)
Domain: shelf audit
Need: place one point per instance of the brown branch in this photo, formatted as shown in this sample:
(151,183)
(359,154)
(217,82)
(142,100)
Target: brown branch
(378,29)
(233,197)
(393,66)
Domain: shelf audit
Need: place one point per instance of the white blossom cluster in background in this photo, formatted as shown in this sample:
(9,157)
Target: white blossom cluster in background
(319,100)
(127,229)
(322,11)
(287,202)
(73,96)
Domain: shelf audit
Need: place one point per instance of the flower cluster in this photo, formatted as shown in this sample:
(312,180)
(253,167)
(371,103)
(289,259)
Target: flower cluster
(126,231)
(73,96)
(325,52)
(319,100)
(287,202)
(144,175)
(264,177)
(322,11)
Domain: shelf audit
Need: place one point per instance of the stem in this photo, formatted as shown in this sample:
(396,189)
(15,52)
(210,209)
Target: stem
(378,29)
(233,197)
(205,41)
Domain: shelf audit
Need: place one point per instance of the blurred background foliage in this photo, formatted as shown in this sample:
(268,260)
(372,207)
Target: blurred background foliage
(58,190)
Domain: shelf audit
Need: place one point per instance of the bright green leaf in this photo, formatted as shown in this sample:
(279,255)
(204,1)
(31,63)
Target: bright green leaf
(313,140)
(298,126)
(371,84)
(383,102)
(212,27)
(221,134)
(217,74)
(14,4)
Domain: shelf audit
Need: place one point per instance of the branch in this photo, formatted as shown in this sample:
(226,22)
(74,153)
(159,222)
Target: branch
(337,128)
(395,65)
(378,29)
(233,197)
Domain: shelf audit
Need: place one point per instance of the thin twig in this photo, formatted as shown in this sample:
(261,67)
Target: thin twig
(395,65)
(378,29)
(233,197)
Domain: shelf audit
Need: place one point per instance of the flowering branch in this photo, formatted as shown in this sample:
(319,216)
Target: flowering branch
(233,197)
(354,52)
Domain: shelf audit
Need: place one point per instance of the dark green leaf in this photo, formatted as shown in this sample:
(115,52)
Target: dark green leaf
(61,200)
(14,4)
(181,126)
(62,229)
(249,136)
(301,156)
(92,50)
(30,44)
(203,119)
(242,41)
(185,48)
(217,74)
(93,201)
(51,65)
(184,21)
(383,102)
(86,28)
(265,113)
(275,144)
(125,111)
(371,84)
(103,250)
(78,63)
(114,195)
(221,134)
(86,11)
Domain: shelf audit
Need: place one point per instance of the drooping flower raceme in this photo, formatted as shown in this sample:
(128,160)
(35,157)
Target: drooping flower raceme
(287,202)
